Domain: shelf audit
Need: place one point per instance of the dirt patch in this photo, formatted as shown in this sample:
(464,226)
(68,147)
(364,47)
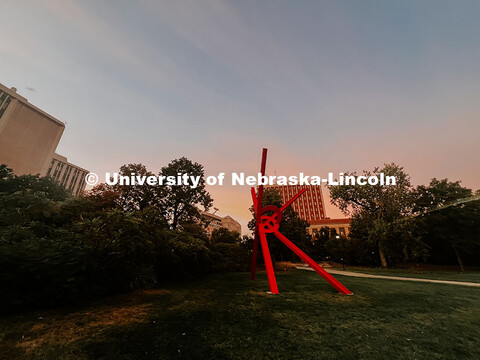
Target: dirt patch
(155,292)
(285,266)
(79,325)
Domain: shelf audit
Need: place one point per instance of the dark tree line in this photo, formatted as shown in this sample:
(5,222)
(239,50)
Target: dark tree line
(437,223)
(56,249)
(176,203)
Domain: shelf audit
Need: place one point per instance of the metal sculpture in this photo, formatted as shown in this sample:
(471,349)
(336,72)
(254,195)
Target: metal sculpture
(265,224)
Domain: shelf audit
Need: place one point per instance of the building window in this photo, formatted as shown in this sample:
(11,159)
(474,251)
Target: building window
(49,172)
(74,179)
(4,101)
(60,169)
(66,175)
(57,171)
(80,182)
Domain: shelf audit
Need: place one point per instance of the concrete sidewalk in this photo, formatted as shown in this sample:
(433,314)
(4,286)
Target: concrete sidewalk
(361,275)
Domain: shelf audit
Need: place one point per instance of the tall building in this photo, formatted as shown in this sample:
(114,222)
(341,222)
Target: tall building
(28,139)
(231,224)
(310,206)
(67,174)
(215,222)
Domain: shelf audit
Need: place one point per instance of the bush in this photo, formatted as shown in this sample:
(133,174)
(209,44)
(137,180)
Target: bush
(351,251)
(230,257)
(56,249)
(42,272)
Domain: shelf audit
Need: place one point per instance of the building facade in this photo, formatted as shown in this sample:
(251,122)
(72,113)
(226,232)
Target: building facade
(231,224)
(341,226)
(69,175)
(310,206)
(215,222)
(28,140)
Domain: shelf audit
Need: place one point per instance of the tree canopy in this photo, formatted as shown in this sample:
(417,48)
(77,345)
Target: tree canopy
(379,212)
(450,226)
(180,202)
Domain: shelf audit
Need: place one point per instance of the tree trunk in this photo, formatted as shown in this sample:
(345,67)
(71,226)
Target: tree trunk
(383,260)
(460,262)
(175,215)
(406,258)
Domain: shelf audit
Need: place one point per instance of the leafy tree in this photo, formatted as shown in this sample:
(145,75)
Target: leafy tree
(195,229)
(180,202)
(439,193)
(136,197)
(5,175)
(225,236)
(132,197)
(338,247)
(449,224)
(382,209)
(28,205)
(58,249)
(32,184)
(153,216)
(104,196)
(228,252)
(319,239)
(247,243)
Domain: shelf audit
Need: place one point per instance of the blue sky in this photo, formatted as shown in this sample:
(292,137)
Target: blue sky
(325,85)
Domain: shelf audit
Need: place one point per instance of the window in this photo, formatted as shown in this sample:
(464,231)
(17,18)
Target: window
(57,171)
(80,183)
(74,179)
(51,167)
(66,175)
(4,101)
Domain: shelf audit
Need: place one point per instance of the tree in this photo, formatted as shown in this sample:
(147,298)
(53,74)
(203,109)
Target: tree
(104,196)
(34,184)
(58,249)
(5,174)
(319,240)
(225,236)
(448,223)
(136,197)
(28,205)
(132,197)
(382,209)
(439,193)
(180,202)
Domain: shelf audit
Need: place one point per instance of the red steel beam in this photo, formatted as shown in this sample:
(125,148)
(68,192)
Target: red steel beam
(330,279)
(258,210)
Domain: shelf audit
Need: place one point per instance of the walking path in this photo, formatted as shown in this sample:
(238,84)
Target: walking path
(361,275)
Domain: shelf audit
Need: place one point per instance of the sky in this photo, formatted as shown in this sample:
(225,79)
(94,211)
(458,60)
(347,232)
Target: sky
(326,86)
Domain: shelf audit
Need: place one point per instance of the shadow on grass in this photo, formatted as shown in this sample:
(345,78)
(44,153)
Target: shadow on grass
(228,317)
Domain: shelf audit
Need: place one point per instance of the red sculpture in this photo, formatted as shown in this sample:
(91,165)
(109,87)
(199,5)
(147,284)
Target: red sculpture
(265,224)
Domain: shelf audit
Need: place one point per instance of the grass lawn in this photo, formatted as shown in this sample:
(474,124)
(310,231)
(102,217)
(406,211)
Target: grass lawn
(226,316)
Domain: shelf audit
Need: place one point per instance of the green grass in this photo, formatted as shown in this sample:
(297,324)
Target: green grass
(226,316)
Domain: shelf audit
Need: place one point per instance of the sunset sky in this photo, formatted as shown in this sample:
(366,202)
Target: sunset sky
(325,85)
